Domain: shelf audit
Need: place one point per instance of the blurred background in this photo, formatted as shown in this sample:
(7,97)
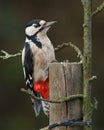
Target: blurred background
(16,112)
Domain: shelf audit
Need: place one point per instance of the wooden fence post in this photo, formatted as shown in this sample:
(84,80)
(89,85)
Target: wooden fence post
(65,80)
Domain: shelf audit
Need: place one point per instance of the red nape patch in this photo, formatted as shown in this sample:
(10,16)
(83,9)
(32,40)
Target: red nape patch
(43,88)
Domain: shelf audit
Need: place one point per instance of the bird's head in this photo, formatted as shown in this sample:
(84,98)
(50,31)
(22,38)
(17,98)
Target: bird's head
(35,27)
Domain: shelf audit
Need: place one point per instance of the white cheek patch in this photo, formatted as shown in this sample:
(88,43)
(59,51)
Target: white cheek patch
(30,31)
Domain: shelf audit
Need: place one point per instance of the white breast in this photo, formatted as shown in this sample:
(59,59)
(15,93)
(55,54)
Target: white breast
(42,57)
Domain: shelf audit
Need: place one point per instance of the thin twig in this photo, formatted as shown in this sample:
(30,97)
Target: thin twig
(95,103)
(37,98)
(78,51)
(7,55)
(70,98)
(59,47)
(93,77)
(98,9)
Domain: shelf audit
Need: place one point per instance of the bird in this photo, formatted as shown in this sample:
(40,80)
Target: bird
(37,53)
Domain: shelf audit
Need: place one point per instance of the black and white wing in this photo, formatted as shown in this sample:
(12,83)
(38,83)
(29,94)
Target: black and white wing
(28,65)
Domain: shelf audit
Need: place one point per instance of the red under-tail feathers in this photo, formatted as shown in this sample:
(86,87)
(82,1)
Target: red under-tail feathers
(42,87)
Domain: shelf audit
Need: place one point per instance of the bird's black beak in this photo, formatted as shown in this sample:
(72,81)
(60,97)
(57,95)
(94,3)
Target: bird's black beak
(48,24)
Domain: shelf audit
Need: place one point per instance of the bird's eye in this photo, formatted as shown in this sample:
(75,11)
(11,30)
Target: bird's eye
(36,25)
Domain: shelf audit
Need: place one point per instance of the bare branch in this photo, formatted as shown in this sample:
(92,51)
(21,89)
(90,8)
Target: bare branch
(98,9)
(7,55)
(93,77)
(95,103)
(59,47)
(70,98)
(78,51)
(37,98)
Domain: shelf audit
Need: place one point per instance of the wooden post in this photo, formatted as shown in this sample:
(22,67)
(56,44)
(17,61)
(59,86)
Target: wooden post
(65,80)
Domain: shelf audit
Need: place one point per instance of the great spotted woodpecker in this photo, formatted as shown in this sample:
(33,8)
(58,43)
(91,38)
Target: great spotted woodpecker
(37,53)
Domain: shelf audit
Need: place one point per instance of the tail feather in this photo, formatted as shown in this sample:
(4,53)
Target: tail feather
(45,106)
(36,106)
(35,103)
